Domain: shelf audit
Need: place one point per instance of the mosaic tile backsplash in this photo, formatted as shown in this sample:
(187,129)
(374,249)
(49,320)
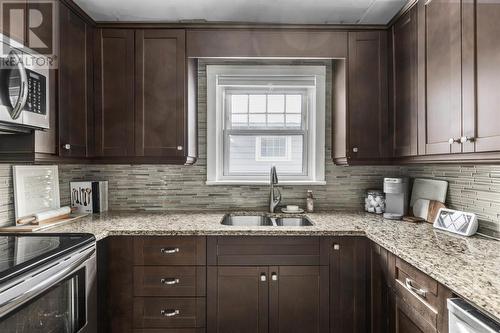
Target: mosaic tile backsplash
(178,188)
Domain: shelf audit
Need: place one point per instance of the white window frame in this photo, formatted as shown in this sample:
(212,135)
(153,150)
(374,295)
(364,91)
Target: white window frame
(314,140)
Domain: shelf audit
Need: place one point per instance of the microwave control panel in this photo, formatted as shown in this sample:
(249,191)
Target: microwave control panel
(37,98)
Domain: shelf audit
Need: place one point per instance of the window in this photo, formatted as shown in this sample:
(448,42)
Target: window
(260,116)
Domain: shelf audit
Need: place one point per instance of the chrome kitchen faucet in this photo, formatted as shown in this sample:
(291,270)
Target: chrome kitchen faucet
(274,199)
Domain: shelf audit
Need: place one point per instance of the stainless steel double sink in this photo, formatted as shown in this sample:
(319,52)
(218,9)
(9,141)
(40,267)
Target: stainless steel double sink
(265,220)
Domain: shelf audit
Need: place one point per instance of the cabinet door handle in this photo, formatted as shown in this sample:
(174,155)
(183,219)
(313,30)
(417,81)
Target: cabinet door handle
(452,141)
(67,146)
(336,247)
(355,149)
(180,148)
(263,277)
(169,281)
(274,277)
(169,250)
(169,312)
(420,292)
(465,139)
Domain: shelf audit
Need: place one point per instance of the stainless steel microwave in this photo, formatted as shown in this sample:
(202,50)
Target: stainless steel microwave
(24,87)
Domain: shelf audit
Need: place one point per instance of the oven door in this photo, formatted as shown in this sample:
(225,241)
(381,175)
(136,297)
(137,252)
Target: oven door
(61,298)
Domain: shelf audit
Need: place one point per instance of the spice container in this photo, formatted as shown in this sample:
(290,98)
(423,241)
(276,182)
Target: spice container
(375,201)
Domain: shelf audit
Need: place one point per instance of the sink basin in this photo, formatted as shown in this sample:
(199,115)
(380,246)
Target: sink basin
(262,220)
(247,220)
(293,221)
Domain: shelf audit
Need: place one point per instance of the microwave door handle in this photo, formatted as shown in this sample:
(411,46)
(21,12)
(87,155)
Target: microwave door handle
(23,91)
(13,303)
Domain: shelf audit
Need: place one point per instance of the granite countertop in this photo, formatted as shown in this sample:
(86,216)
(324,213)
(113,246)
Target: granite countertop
(469,266)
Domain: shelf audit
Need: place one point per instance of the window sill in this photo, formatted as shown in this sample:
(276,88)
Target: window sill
(265,183)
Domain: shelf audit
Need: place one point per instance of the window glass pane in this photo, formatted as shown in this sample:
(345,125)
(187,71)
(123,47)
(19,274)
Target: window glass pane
(253,154)
(239,120)
(276,103)
(276,120)
(294,120)
(239,103)
(293,103)
(257,103)
(257,120)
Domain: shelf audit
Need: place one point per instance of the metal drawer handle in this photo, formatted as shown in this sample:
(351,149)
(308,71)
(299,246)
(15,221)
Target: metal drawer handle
(169,281)
(420,292)
(169,313)
(170,250)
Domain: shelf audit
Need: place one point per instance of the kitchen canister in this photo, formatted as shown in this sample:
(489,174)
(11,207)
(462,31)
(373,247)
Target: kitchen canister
(375,201)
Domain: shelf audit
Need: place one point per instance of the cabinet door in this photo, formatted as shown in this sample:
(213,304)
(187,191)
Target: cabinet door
(237,299)
(405,319)
(404,115)
(298,299)
(348,284)
(160,91)
(114,93)
(75,78)
(440,118)
(379,284)
(367,96)
(487,136)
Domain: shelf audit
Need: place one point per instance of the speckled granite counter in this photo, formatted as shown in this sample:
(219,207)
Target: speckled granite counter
(468,266)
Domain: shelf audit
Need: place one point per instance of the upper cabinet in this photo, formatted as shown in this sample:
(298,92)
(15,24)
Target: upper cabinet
(360,109)
(482,132)
(160,90)
(441,114)
(140,89)
(75,84)
(114,93)
(404,85)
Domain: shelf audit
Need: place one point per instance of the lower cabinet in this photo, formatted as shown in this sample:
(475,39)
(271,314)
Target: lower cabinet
(272,284)
(267,299)
(275,284)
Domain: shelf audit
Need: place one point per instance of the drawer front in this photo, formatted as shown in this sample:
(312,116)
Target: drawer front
(164,251)
(170,330)
(229,251)
(169,281)
(424,310)
(408,320)
(160,312)
(424,286)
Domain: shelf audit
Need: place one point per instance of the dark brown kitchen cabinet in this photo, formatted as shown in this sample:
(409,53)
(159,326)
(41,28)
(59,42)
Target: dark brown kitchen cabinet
(75,84)
(114,93)
(405,319)
(267,284)
(440,99)
(360,126)
(404,85)
(141,95)
(480,40)
(160,90)
(349,284)
(238,299)
(267,299)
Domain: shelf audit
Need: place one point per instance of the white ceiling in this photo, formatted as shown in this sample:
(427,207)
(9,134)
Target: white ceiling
(249,11)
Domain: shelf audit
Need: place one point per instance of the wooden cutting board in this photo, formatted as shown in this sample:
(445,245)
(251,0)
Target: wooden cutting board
(427,209)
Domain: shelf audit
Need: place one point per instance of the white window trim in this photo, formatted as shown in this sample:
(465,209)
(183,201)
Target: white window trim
(215,118)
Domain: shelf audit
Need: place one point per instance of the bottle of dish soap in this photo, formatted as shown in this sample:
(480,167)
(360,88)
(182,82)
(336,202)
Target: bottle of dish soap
(310,201)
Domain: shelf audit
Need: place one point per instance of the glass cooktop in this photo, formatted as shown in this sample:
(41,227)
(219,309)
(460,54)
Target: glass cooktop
(22,252)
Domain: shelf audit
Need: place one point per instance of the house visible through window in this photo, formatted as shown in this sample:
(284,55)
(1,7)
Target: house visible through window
(260,116)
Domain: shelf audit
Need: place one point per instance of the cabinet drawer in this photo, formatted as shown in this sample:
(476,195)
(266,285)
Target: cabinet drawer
(163,251)
(160,312)
(227,251)
(407,319)
(169,280)
(422,294)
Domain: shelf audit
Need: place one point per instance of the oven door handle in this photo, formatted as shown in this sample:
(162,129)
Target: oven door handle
(12,303)
(23,89)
